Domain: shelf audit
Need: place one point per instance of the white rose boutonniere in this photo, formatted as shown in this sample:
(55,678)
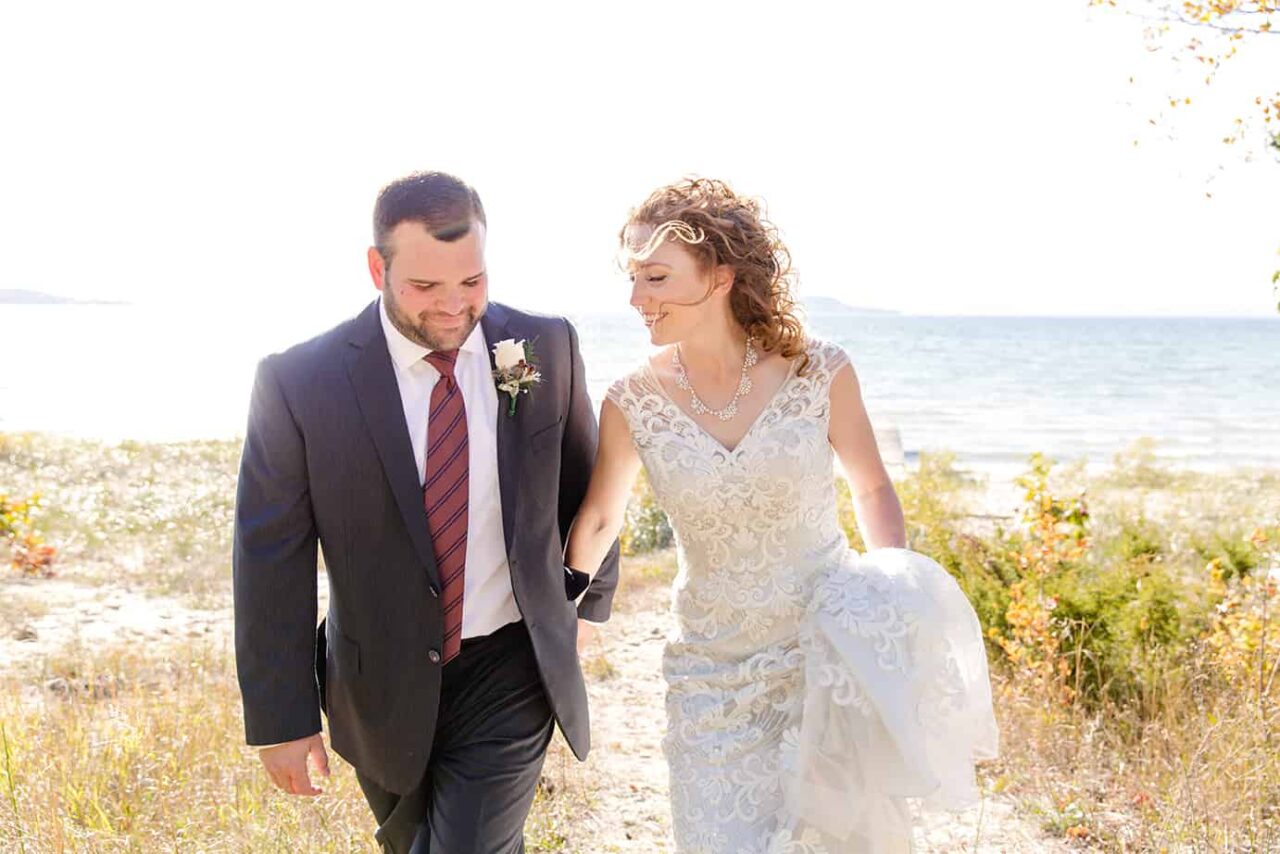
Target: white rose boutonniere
(514,371)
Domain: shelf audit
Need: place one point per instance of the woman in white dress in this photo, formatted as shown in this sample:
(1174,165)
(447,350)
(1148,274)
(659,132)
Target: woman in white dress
(812,690)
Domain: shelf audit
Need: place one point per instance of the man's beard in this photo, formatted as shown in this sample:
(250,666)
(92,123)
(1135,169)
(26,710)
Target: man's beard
(419,332)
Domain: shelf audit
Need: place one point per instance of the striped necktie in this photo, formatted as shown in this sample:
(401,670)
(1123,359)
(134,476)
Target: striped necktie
(445,492)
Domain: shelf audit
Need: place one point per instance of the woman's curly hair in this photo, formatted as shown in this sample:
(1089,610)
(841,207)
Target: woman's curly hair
(735,232)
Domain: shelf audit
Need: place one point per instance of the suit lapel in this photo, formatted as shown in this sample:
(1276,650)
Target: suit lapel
(374,380)
(496,326)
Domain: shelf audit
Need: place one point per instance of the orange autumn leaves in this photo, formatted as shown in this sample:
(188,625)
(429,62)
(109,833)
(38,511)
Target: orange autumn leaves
(1055,536)
(1214,32)
(28,552)
(1245,633)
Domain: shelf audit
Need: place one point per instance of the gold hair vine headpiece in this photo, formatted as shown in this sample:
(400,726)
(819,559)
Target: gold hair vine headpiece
(673,229)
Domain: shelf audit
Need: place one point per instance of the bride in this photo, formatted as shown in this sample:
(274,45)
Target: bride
(812,690)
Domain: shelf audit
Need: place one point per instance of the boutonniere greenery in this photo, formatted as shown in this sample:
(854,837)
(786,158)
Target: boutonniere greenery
(514,371)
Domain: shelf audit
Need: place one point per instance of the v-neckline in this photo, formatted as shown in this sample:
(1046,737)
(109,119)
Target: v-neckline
(721,446)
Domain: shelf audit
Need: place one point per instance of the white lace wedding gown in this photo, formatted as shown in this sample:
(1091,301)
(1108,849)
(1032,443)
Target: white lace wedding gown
(811,690)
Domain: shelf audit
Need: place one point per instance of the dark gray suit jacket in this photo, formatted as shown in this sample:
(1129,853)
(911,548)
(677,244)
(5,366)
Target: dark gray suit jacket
(328,462)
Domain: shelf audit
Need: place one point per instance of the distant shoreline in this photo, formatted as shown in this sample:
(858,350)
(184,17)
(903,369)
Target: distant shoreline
(28,297)
(830,306)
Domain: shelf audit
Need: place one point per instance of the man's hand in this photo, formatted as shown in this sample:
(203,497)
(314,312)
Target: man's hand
(286,764)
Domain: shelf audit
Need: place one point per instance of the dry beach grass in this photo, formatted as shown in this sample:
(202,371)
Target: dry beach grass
(120,725)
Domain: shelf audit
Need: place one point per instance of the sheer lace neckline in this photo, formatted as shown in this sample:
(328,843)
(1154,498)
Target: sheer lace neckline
(652,376)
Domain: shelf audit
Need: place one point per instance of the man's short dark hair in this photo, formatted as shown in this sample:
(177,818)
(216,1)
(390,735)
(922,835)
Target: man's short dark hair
(444,205)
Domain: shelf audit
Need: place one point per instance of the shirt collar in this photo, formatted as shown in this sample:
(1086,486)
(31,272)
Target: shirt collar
(406,353)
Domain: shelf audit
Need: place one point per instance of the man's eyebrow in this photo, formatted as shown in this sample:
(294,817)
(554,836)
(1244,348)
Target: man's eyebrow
(434,282)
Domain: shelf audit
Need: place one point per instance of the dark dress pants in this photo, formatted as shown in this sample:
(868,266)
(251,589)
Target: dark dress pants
(491,736)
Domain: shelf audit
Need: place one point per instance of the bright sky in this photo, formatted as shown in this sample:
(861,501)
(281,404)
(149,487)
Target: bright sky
(937,158)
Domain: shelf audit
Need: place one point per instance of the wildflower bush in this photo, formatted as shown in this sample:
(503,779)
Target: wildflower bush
(1136,662)
(155,515)
(1244,631)
(29,554)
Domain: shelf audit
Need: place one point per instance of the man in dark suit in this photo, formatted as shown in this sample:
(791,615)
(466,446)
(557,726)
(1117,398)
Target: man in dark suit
(441,506)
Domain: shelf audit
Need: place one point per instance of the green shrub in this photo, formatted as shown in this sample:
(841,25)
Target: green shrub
(646,528)
(1123,625)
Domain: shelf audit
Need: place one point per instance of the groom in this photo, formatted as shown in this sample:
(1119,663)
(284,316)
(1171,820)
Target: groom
(449,646)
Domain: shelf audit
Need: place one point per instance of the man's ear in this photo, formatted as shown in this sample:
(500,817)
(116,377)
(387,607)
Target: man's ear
(377,268)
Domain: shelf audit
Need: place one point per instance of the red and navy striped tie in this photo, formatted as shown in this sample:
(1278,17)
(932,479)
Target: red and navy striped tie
(444,492)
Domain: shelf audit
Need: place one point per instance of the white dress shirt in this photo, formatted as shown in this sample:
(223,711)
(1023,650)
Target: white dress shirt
(488,602)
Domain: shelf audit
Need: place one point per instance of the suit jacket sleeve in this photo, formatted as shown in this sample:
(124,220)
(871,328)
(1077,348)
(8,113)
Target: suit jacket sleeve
(274,573)
(577,456)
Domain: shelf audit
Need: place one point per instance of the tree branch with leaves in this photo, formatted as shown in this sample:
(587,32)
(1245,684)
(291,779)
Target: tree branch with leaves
(1210,34)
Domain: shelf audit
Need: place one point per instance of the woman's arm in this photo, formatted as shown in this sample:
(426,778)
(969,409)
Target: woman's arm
(604,508)
(875,503)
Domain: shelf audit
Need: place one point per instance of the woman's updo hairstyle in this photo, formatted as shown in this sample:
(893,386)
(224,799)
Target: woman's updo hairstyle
(718,226)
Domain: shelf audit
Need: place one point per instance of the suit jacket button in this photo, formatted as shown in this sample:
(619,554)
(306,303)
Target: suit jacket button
(433,657)
(435,592)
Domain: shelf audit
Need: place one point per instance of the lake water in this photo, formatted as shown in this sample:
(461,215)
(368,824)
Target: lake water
(991,389)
